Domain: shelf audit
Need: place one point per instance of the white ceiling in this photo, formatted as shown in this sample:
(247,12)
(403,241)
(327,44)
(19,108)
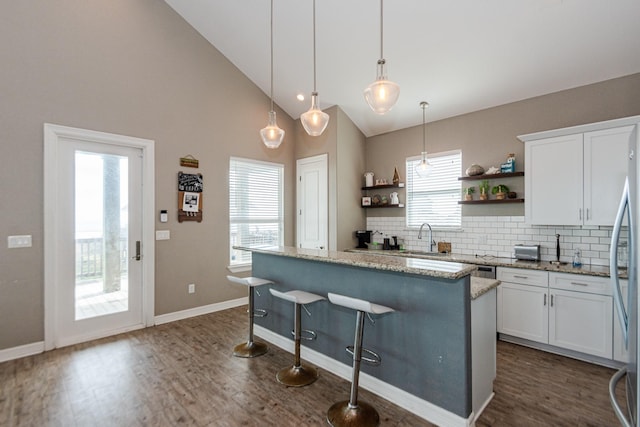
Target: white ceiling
(460,56)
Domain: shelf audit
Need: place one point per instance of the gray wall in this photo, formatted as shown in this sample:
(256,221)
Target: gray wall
(487,136)
(134,68)
(344,144)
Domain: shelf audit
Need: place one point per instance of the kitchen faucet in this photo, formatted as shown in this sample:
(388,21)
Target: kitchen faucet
(431,242)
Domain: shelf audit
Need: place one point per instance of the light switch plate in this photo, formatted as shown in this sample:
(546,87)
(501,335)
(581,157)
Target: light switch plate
(19,241)
(163,234)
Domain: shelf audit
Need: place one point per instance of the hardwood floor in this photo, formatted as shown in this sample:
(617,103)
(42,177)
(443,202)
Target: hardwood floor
(183,373)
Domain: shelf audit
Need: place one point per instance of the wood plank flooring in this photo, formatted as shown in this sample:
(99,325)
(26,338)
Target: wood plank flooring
(183,374)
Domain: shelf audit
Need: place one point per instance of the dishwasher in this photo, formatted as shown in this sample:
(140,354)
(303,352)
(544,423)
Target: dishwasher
(488,271)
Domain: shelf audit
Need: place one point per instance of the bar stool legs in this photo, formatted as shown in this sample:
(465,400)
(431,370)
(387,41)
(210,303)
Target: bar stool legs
(298,375)
(251,348)
(351,413)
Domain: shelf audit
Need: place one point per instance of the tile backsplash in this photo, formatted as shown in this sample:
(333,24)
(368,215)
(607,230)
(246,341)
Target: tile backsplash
(496,235)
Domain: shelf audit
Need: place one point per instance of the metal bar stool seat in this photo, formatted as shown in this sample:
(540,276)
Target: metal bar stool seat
(351,412)
(251,348)
(298,375)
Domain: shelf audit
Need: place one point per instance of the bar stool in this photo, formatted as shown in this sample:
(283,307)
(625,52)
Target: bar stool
(251,348)
(351,412)
(298,375)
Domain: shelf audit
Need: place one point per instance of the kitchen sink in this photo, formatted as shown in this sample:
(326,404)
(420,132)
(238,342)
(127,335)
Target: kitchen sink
(423,253)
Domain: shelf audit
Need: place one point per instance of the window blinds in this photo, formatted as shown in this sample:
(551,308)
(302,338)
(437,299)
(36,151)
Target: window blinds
(256,215)
(434,199)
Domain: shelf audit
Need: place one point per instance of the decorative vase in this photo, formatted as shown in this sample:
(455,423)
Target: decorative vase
(396,176)
(500,196)
(468,196)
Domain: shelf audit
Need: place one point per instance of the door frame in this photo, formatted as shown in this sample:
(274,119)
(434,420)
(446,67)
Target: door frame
(52,135)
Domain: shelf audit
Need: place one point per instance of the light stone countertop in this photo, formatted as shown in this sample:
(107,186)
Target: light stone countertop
(445,269)
(482,285)
(589,270)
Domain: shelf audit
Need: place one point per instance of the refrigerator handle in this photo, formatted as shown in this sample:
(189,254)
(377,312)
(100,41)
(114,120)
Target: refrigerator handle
(613,263)
(612,396)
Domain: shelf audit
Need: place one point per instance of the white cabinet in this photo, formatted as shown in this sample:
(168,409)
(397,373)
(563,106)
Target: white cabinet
(522,309)
(575,176)
(570,311)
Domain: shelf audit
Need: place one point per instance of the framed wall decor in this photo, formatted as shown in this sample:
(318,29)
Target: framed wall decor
(190,188)
(366,201)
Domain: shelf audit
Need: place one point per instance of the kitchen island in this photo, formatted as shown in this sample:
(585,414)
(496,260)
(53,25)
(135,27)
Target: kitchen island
(426,345)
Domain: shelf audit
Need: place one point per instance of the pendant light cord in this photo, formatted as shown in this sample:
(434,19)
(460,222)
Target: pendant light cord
(381,30)
(271,95)
(314,46)
(424,127)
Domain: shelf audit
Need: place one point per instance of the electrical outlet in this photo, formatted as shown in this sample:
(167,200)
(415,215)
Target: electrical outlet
(192,288)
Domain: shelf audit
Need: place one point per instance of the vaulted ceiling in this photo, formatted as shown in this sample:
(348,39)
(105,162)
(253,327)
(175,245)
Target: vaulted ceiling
(460,56)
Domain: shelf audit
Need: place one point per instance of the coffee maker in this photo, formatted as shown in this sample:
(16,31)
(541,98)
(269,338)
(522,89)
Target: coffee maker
(364,237)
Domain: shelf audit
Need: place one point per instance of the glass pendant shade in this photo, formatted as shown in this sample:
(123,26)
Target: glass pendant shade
(272,135)
(423,169)
(315,120)
(382,94)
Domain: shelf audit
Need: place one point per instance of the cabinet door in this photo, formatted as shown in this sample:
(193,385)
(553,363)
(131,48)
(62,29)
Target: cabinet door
(620,352)
(523,311)
(581,322)
(605,168)
(553,182)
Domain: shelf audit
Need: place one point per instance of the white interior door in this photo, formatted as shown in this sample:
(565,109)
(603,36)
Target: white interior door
(312,202)
(95,240)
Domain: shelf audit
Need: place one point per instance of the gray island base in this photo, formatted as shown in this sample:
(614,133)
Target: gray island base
(425,345)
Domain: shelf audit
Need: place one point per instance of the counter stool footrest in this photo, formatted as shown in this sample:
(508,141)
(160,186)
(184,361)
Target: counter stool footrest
(375,360)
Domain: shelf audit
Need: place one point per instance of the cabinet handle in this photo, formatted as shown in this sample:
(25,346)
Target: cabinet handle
(580,213)
(551,305)
(521,277)
(545,300)
(579,284)
(588,214)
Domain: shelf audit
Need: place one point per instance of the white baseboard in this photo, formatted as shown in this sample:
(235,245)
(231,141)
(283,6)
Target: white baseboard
(199,311)
(420,407)
(21,351)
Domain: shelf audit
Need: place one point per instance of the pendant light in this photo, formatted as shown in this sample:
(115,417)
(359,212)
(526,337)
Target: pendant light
(423,169)
(272,135)
(382,94)
(315,120)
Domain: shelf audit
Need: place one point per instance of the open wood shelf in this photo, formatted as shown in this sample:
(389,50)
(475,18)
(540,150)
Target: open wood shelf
(491,176)
(490,201)
(376,187)
(401,205)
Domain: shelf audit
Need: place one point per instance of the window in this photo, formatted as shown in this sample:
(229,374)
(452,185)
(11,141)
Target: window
(434,199)
(256,215)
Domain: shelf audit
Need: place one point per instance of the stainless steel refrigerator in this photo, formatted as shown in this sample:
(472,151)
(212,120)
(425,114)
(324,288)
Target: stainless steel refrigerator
(628,314)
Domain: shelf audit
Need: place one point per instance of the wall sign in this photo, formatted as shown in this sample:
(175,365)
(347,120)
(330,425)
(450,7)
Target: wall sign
(190,197)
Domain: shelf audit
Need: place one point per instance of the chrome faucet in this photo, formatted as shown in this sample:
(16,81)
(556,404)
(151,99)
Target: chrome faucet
(431,242)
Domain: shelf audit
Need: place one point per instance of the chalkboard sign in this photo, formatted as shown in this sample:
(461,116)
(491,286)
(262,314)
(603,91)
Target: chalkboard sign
(189,197)
(190,182)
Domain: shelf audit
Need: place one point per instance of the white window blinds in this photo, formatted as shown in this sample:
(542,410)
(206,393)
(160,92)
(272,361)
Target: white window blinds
(434,199)
(256,215)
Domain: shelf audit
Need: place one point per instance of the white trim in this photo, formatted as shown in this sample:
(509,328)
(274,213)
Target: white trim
(52,134)
(590,127)
(21,351)
(411,403)
(199,311)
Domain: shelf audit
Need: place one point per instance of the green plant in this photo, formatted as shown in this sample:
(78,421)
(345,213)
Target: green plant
(500,188)
(484,186)
(468,190)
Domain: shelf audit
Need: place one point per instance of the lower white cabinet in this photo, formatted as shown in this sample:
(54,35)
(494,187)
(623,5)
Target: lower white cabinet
(570,311)
(523,312)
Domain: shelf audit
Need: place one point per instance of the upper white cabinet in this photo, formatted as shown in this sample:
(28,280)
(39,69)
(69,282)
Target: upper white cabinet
(574,176)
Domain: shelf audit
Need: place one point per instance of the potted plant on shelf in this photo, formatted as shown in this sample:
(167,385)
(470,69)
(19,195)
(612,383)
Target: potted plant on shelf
(500,191)
(484,189)
(468,193)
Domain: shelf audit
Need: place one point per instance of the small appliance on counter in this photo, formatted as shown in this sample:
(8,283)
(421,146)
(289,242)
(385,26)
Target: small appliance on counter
(527,252)
(364,237)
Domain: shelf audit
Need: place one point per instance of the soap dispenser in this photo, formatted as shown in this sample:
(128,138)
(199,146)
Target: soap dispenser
(577,259)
